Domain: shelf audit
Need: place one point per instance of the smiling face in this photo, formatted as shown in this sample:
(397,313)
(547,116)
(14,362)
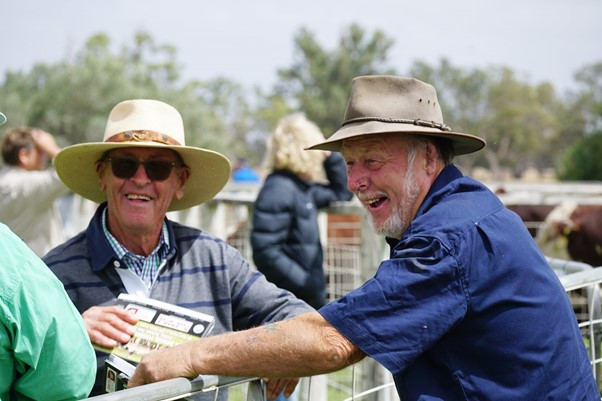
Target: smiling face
(137,205)
(390,175)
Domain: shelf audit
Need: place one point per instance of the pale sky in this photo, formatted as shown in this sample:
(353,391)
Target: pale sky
(246,41)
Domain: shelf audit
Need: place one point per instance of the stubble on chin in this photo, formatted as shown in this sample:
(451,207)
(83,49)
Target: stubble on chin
(390,227)
(398,221)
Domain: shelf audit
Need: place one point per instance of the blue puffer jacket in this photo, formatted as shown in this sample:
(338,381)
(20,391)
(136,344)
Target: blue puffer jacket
(285,236)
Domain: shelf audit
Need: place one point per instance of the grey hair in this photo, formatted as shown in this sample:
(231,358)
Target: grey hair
(444,146)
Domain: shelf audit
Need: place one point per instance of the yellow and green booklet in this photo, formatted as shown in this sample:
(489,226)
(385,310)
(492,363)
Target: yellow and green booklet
(160,325)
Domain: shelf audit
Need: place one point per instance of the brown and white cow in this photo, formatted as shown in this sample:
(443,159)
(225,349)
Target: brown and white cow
(576,227)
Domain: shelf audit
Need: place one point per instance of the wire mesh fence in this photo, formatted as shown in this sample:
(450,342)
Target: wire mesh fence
(583,288)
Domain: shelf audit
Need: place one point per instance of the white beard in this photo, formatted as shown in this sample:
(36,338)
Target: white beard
(396,224)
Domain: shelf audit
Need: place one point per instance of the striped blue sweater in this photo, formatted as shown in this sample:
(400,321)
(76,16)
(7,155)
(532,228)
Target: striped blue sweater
(203,273)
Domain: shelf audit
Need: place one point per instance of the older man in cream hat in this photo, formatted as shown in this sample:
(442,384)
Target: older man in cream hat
(466,308)
(140,170)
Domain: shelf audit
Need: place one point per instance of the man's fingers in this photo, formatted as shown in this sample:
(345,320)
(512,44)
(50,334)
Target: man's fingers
(108,326)
(275,386)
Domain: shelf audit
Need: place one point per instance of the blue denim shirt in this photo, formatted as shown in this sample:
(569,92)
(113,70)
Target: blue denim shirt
(467,307)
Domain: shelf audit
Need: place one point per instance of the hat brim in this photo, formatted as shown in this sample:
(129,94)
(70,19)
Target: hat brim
(209,171)
(463,143)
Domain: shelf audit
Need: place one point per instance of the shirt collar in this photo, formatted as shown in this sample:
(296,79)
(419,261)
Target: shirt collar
(121,251)
(447,175)
(102,253)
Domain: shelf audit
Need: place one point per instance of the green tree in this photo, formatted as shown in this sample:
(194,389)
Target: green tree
(522,120)
(462,96)
(582,128)
(270,108)
(515,118)
(318,81)
(72,98)
(523,124)
(582,162)
(590,97)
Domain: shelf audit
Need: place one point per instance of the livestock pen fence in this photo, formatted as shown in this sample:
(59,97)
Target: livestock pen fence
(582,283)
(352,254)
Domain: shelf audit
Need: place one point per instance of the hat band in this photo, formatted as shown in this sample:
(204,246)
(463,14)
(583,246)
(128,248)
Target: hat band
(419,122)
(143,136)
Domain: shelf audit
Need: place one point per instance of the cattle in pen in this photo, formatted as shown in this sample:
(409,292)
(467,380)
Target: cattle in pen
(577,228)
(532,215)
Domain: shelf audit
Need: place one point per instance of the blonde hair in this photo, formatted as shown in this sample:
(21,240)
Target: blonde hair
(285,148)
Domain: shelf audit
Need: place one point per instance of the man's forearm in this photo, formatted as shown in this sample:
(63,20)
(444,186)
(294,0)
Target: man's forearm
(302,346)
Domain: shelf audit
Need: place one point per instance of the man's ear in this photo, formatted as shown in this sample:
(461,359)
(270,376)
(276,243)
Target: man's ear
(183,175)
(22,156)
(432,159)
(100,171)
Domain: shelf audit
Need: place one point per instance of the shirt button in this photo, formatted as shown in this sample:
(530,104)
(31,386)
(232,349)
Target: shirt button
(116,263)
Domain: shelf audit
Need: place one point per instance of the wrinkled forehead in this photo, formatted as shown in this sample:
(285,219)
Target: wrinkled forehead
(385,142)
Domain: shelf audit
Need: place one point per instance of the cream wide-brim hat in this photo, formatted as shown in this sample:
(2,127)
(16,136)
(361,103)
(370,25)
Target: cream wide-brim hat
(383,104)
(144,123)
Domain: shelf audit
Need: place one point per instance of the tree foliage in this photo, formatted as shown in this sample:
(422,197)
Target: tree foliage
(590,97)
(518,120)
(524,124)
(582,161)
(318,81)
(583,119)
(72,99)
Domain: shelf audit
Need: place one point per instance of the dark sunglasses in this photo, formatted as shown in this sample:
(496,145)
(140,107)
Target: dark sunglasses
(156,170)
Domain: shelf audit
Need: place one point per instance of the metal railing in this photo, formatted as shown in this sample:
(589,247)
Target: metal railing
(585,287)
(581,282)
(175,389)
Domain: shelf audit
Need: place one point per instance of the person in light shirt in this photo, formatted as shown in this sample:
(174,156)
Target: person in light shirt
(29,188)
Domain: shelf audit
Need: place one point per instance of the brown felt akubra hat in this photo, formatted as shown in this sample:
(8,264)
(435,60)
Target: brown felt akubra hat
(144,123)
(381,104)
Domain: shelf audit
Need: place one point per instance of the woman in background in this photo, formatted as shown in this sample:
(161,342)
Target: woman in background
(285,236)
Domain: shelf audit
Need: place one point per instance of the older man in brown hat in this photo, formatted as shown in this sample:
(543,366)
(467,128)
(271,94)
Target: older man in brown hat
(466,308)
(140,170)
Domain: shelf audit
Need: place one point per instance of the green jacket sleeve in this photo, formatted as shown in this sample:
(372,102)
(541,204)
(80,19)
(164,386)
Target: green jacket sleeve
(45,352)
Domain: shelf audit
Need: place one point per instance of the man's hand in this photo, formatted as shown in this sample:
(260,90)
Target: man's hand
(169,363)
(165,364)
(108,326)
(275,386)
(45,142)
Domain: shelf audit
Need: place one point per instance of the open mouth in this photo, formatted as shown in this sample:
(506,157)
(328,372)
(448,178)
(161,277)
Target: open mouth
(375,203)
(138,197)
